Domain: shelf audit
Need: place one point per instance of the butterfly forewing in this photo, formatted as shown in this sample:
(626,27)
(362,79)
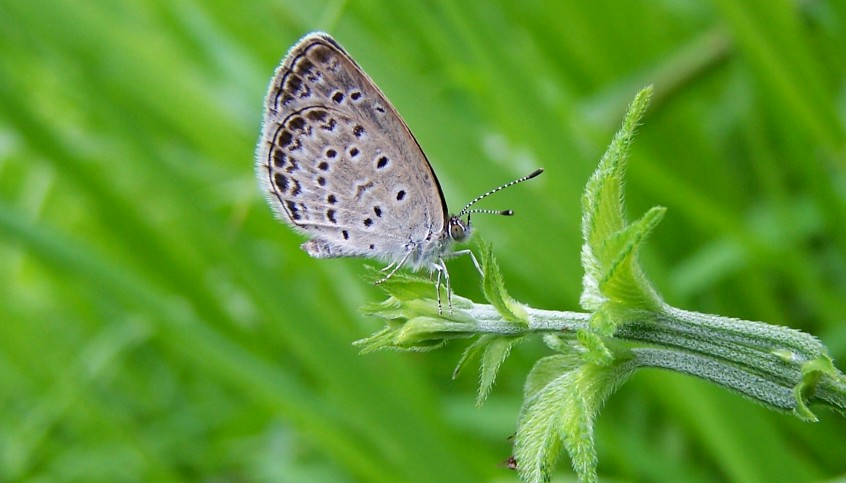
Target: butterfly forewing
(339,164)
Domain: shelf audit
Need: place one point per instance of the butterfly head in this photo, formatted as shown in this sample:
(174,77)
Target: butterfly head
(459,230)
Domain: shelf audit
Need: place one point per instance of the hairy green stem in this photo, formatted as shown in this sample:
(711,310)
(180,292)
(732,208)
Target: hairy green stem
(761,361)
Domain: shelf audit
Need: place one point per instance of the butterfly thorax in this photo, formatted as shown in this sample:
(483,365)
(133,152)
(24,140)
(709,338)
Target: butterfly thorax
(425,254)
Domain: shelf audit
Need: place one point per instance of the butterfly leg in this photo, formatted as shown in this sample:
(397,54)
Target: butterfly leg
(472,257)
(440,266)
(438,288)
(393,268)
(388,267)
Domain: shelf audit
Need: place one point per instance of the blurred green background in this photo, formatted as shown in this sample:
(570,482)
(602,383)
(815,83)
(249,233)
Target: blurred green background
(157,324)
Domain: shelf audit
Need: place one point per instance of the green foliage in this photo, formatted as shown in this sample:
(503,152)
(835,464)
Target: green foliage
(562,397)
(158,325)
(775,366)
(609,255)
(494,290)
(494,349)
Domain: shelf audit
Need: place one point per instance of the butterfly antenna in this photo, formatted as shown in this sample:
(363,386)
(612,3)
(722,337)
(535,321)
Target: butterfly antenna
(466,210)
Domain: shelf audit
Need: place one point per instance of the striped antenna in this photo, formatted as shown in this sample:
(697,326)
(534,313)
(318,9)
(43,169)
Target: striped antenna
(466,210)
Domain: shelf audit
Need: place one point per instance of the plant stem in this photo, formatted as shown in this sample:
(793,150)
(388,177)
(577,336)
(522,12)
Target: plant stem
(760,361)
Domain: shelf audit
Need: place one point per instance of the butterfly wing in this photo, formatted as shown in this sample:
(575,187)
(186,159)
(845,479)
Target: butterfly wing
(339,164)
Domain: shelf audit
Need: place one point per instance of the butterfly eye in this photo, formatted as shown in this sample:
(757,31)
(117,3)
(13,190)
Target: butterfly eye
(456,229)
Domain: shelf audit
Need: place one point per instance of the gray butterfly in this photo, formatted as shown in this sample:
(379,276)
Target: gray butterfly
(338,164)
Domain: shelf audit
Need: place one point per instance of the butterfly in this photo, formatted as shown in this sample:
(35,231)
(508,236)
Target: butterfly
(339,165)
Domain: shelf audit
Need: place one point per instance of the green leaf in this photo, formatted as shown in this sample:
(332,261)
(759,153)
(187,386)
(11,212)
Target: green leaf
(557,416)
(538,442)
(384,339)
(494,289)
(623,281)
(596,351)
(560,342)
(602,203)
(812,372)
(610,245)
(496,351)
(401,285)
(547,369)
(470,353)
(562,397)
